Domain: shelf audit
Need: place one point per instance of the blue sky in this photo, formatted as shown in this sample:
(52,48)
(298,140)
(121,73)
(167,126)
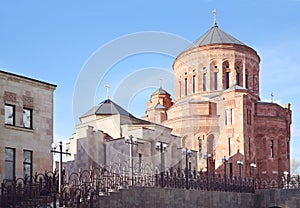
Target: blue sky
(53,40)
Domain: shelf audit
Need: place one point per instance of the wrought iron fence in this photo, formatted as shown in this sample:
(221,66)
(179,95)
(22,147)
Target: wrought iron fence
(85,188)
(37,191)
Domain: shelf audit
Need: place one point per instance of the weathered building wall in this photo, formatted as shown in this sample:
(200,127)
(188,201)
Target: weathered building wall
(36,136)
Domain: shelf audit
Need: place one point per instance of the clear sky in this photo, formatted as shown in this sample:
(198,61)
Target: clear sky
(53,40)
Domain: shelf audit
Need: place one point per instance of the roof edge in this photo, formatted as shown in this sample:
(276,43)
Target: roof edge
(28,78)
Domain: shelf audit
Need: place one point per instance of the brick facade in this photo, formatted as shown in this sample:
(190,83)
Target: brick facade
(217,110)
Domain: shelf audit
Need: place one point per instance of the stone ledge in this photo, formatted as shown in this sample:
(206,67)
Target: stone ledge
(19,128)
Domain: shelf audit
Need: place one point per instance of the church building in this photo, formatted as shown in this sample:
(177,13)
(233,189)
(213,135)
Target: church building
(216,113)
(217,109)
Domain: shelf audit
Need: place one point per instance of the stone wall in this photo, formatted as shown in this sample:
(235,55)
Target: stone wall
(34,95)
(175,198)
(285,198)
(157,197)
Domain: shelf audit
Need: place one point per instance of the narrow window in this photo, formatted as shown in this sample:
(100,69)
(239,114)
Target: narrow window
(194,83)
(204,82)
(232,115)
(140,162)
(238,78)
(229,147)
(27,164)
(287,150)
(247,116)
(10,163)
(250,117)
(247,80)
(185,86)
(9,114)
(27,118)
(200,148)
(227,80)
(216,80)
(249,147)
(226,117)
(272,148)
(179,88)
(230,170)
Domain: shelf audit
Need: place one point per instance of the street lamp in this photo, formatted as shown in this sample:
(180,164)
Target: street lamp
(161,147)
(286,179)
(252,173)
(225,160)
(252,168)
(240,164)
(131,141)
(188,153)
(61,153)
(207,156)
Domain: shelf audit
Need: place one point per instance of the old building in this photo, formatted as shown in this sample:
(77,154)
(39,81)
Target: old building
(217,109)
(26,117)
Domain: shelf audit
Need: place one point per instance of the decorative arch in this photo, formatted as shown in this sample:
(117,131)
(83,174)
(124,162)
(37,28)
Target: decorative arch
(225,74)
(238,72)
(214,74)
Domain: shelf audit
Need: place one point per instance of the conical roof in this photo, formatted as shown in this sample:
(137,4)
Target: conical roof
(216,36)
(161,91)
(107,107)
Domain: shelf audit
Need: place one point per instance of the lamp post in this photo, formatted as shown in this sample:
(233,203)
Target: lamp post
(131,141)
(207,156)
(286,179)
(161,147)
(61,153)
(252,173)
(225,160)
(240,164)
(252,168)
(188,153)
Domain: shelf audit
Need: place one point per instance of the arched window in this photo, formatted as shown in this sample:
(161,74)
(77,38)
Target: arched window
(227,80)
(247,79)
(272,148)
(237,78)
(215,80)
(225,74)
(229,147)
(194,83)
(200,148)
(204,81)
(185,86)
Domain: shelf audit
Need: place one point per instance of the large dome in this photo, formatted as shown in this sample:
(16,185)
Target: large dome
(216,36)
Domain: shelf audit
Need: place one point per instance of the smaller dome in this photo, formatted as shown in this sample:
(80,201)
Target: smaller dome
(160,91)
